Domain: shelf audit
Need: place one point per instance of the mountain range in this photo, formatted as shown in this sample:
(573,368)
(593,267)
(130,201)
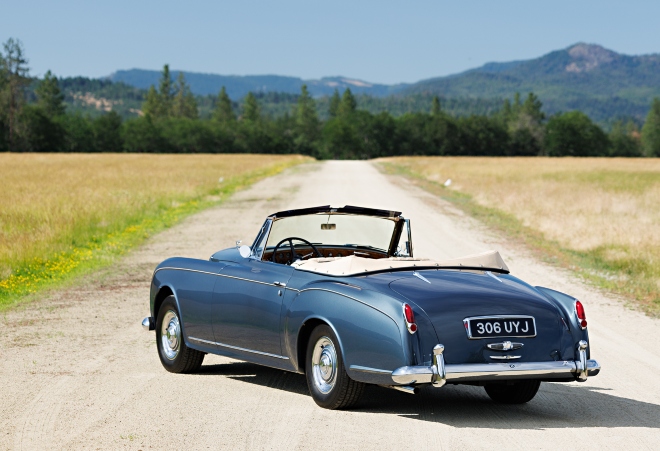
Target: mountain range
(239,85)
(602,83)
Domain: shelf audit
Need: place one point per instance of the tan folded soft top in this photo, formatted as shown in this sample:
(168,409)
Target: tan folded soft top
(352,265)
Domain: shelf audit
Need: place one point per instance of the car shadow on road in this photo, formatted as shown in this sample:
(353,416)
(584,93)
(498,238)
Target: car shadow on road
(555,406)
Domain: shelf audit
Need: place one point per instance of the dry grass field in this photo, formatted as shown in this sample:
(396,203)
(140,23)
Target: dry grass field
(598,215)
(62,213)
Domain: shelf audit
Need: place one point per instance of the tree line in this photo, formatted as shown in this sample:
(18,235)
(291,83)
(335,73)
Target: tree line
(170,122)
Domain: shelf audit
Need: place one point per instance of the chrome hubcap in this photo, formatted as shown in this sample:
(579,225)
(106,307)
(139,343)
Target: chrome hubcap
(170,336)
(324,365)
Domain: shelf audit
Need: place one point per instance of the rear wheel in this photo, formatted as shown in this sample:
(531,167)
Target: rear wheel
(175,356)
(514,392)
(327,380)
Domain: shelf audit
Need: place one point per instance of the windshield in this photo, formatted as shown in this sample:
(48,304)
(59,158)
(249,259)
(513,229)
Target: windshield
(337,229)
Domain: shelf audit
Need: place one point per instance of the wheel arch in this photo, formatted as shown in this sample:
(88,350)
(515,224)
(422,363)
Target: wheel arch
(162,293)
(302,339)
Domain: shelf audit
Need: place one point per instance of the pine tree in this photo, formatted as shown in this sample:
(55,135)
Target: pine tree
(348,103)
(15,73)
(524,123)
(435,106)
(624,140)
(251,110)
(50,97)
(159,104)
(335,101)
(223,111)
(184,103)
(532,107)
(307,121)
(516,102)
(166,93)
(151,106)
(507,111)
(651,131)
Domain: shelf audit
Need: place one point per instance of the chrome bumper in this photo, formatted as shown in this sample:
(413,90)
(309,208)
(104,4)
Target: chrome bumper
(148,323)
(439,373)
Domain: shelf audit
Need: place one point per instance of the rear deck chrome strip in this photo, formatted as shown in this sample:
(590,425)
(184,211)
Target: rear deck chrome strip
(224,345)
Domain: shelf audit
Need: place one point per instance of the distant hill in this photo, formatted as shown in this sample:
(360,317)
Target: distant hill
(238,86)
(600,82)
(604,84)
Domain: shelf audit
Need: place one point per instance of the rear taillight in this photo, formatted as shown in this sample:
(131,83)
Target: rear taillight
(582,317)
(409,316)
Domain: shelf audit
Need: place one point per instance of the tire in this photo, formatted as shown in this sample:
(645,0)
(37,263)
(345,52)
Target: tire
(330,386)
(175,356)
(514,392)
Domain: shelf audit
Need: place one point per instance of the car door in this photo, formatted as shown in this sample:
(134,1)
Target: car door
(247,304)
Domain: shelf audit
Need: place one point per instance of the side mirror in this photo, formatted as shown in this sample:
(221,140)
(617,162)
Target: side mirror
(245,251)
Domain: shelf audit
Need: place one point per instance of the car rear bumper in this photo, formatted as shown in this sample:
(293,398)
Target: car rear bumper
(438,373)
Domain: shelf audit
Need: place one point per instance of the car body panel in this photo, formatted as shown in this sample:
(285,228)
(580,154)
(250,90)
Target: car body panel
(261,311)
(247,305)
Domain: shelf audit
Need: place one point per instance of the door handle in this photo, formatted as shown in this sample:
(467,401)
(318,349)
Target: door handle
(279,284)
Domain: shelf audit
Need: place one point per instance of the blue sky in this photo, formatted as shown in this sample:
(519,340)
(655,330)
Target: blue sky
(378,41)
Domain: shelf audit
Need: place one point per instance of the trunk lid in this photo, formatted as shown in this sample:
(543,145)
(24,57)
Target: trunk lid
(448,297)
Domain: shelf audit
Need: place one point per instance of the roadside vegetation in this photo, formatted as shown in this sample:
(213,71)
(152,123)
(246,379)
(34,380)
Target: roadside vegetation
(34,117)
(597,216)
(62,215)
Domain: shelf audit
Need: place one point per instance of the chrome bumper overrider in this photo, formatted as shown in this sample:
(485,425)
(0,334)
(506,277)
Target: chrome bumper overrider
(439,374)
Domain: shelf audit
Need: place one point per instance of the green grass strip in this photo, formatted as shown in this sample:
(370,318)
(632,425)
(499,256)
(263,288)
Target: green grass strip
(634,279)
(33,277)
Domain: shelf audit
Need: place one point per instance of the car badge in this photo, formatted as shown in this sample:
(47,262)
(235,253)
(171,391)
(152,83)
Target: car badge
(504,346)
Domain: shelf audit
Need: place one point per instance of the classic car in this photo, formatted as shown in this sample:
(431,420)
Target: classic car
(336,294)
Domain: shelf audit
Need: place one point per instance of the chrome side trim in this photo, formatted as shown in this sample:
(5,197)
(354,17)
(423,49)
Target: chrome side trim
(224,345)
(184,269)
(275,284)
(366,369)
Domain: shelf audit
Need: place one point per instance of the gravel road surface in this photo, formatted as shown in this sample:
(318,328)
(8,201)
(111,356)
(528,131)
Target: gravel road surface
(78,372)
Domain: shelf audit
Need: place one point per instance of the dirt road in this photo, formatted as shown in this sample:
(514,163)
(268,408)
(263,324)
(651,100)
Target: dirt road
(77,370)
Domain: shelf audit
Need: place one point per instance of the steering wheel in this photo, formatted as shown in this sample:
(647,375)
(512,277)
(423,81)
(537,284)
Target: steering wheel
(293,254)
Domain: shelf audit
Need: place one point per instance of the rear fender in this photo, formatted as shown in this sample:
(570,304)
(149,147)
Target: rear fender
(566,305)
(371,340)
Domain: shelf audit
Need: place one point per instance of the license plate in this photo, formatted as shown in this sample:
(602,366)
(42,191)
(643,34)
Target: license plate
(499,326)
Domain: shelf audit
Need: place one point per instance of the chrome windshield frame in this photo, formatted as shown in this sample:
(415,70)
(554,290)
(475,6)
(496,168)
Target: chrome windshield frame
(263,235)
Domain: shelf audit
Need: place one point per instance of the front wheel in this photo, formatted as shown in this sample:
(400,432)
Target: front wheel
(175,356)
(514,392)
(327,380)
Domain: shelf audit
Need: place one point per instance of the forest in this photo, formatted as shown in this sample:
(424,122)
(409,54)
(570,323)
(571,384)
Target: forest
(170,119)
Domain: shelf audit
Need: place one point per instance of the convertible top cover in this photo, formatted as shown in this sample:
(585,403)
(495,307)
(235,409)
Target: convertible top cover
(354,265)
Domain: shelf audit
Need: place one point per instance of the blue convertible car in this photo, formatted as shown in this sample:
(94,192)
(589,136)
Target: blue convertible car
(336,294)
